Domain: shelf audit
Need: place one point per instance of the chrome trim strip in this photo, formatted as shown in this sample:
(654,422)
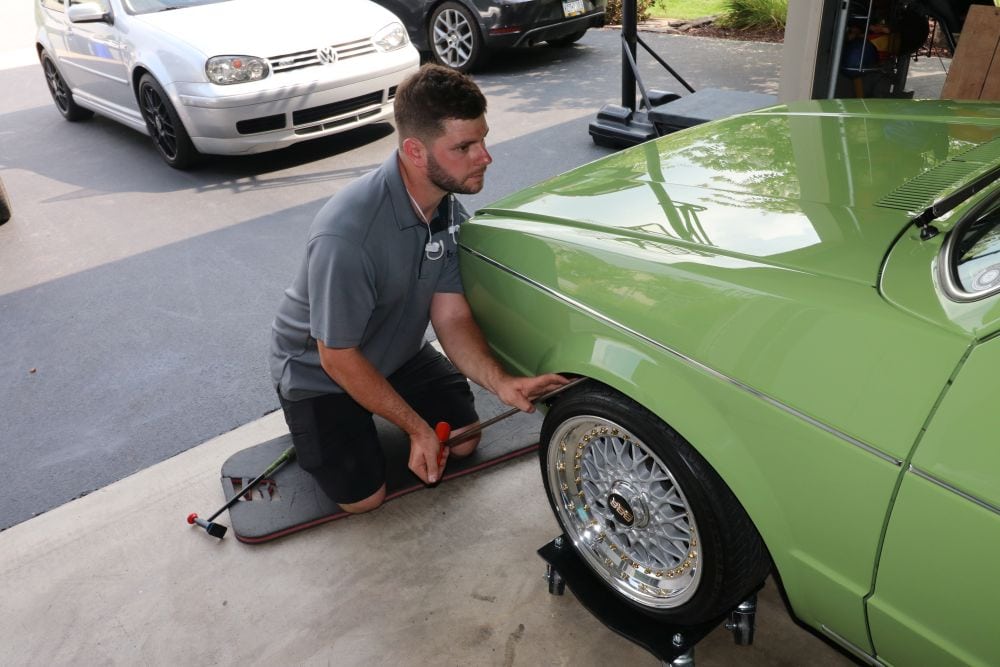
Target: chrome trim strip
(948,487)
(690,361)
(851,648)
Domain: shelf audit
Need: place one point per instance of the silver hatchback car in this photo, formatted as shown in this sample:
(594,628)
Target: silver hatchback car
(224,77)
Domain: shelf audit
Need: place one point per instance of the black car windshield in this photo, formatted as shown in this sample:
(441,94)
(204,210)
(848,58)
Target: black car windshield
(150,6)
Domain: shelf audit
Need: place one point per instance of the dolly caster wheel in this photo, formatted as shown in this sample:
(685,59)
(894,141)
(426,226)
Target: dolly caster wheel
(557,585)
(742,621)
(685,659)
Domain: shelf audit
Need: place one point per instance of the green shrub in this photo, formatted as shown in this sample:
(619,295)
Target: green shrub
(613,14)
(746,14)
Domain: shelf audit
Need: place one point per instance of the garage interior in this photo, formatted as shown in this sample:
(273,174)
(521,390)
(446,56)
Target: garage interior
(865,48)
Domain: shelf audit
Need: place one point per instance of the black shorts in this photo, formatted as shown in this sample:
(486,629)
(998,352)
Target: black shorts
(335,438)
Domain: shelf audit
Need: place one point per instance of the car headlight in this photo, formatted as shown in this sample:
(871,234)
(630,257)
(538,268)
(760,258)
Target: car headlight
(225,70)
(391,37)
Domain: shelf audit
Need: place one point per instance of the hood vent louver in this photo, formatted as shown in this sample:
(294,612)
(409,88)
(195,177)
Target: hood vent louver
(922,191)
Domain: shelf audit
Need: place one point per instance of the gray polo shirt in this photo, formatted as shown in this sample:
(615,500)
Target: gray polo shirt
(367,281)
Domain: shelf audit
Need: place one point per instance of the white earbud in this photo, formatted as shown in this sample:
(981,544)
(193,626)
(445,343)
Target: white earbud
(433,246)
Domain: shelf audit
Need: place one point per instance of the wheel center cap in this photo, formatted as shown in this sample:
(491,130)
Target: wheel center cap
(627,505)
(159,124)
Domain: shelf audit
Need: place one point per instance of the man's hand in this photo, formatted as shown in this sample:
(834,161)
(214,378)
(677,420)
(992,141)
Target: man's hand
(521,392)
(425,449)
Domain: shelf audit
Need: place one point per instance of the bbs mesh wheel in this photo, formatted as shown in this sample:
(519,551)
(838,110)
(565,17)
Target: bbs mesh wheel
(645,511)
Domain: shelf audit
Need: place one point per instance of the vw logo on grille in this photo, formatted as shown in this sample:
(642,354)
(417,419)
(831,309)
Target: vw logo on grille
(327,55)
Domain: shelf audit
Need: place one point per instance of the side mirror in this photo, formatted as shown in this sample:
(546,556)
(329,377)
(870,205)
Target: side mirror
(88,12)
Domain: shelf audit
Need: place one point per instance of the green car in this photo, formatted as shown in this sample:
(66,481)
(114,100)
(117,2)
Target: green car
(788,320)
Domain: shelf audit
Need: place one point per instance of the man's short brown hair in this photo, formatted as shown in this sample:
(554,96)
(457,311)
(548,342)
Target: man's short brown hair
(432,95)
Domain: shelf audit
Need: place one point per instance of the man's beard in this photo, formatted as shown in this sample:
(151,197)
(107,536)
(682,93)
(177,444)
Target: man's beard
(439,177)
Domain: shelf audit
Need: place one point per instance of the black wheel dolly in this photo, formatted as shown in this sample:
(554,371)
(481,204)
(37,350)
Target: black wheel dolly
(672,644)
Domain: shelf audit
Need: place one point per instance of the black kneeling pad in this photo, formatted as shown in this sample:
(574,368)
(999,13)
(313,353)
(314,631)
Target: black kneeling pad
(291,501)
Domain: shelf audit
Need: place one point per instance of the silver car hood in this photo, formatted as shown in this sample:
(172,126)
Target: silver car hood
(268,28)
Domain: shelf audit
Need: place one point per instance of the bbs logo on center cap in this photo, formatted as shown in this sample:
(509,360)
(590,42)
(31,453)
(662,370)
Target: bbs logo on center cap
(327,55)
(621,508)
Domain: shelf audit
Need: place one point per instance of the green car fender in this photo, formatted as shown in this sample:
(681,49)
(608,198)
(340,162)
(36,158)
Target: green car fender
(742,439)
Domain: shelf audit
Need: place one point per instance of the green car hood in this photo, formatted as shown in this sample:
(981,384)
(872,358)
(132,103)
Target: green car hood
(823,187)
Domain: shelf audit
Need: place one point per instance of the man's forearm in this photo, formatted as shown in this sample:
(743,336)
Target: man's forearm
(466,347)
(463,341)
(352,371)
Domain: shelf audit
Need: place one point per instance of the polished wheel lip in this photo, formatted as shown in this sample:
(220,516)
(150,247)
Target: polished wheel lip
(657,562)
(453,38)
(57,87)
(161,128)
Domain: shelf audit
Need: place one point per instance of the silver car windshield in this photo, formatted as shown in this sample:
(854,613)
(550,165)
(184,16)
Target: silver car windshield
(150,6)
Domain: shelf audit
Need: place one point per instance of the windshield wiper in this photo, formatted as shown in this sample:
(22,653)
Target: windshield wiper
(939,208)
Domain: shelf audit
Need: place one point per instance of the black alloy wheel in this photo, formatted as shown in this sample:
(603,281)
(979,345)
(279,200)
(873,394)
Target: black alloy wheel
(455,38)
(645,511)
(164,125)
(60,92)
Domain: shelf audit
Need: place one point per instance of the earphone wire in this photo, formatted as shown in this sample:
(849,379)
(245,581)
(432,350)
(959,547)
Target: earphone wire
(433,250)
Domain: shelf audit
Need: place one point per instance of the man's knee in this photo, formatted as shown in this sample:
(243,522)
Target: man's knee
(370,503)
(465,447)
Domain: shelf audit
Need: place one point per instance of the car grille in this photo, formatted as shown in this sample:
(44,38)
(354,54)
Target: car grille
(315,114)
(288,62)
(316,118)
(262,124)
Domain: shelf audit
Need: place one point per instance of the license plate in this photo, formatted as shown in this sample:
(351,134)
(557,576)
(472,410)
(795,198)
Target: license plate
(573,7)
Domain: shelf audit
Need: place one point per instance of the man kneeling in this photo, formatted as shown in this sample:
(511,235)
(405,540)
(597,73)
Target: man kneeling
(380,263)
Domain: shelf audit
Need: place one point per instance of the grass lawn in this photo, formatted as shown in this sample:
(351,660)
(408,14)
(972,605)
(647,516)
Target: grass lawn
(687,9)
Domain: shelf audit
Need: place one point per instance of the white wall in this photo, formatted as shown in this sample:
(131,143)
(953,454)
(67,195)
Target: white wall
(802,37)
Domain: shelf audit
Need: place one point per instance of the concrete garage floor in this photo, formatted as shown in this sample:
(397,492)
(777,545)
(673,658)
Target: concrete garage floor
(447,576)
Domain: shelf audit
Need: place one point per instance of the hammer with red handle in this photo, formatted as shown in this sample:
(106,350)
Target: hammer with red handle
(443,430)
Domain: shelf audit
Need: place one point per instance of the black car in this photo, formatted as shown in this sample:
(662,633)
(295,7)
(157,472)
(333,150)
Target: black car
(459,33)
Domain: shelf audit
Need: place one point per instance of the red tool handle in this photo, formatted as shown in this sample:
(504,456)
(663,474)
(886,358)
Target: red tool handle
(443,431)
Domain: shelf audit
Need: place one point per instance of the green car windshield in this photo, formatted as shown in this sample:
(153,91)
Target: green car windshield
(976,254)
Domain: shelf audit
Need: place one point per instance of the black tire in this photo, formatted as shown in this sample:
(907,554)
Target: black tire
(164,125)
(568,40)
(5,210)
(61,94)
(690,553)
(455,39)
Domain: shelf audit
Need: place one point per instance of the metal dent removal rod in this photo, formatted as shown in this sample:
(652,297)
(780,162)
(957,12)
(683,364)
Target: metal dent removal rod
(217,529)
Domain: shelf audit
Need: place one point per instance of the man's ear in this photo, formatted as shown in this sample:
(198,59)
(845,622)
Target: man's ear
(415,151)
